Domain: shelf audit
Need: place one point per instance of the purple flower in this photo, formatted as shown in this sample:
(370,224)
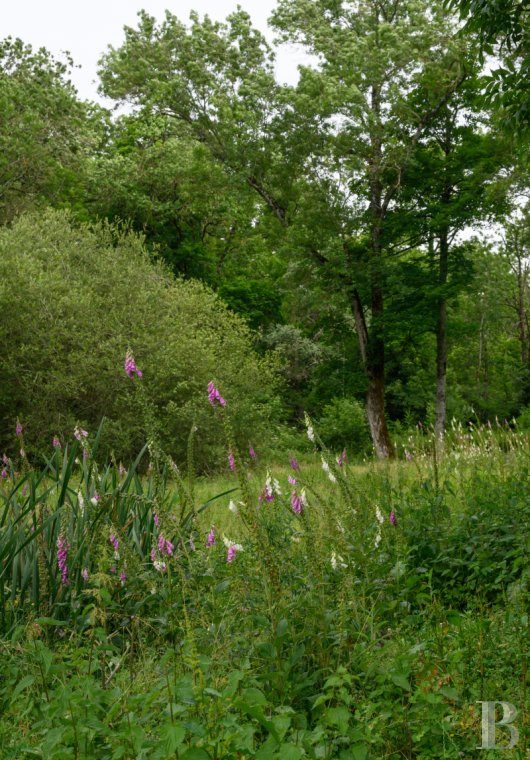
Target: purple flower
(4,474)
(210,541)
(153,554)
(393,518)
(19,429)
(114,541)
(292,481)
(341,459)
(130,365)
(296,503)
(80,433)
(62,558)
(156,519)
(267,494)
(252,453)
(232,551)
(165,546)
(294,463)
(56,442)
(231,460)
(84,574)
(123,578)
(214,396)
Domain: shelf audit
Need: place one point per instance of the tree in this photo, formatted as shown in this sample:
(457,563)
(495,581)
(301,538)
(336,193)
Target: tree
(503,27)
(73,298)
(345,137)
(46,133)
(455,180)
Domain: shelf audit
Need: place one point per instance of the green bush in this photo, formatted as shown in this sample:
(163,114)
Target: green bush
(73,299)
(344,423)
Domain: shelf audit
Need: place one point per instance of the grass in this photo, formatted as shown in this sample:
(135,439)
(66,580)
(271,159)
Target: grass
(332,634)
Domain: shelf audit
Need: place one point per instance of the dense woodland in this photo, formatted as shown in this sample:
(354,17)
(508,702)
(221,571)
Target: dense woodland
(371,225)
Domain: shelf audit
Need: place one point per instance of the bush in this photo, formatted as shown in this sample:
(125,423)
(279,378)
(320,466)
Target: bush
(73,299)
(344,423)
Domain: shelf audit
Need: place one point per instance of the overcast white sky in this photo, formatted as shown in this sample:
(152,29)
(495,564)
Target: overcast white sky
(86,28)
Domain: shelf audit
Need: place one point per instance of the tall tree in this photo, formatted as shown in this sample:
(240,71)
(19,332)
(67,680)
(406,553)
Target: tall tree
(345,137)
(503,27)
(46,133)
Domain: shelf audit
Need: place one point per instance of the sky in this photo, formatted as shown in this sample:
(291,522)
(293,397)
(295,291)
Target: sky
(85,29)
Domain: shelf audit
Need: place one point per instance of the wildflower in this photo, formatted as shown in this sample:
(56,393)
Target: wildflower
(153,554)
(84,574)
(337,561)
(121,470)
(159,566)
(309,426)
(80,433)
(5,460)
(130,365)
(252,453)
(94,500)
(326,468)
(114,541)
(56,442)
(156,519)
(22,453)
(81,502)
(341,459)
(233,508)
(210,541)
(123,578)
(3,474)
(19,429)
(379,516)
(231,460)
(292,481)
(214,396)
(296,503)
(408,455)
(294,463)
(393,518)
(232,547)
(377,540)
(191,542)
(165,546)
(25,491)
(62,558)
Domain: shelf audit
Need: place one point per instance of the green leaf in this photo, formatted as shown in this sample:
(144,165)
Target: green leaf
(195,754)
(171,736)
(401,680)
(21,685)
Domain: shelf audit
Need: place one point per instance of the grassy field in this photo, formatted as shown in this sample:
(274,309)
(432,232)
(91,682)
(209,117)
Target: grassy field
(360,612)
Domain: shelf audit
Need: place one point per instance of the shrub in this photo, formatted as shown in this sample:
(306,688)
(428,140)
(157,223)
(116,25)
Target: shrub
(73,299)
(343,423)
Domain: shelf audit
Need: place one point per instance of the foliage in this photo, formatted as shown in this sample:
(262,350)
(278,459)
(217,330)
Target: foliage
(73,299)
(46,133)
(334,631)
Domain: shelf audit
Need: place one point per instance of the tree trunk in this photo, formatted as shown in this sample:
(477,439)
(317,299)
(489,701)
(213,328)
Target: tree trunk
(375,394)
(441,341)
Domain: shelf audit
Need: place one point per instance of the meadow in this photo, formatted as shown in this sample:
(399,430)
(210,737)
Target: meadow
(313,608)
